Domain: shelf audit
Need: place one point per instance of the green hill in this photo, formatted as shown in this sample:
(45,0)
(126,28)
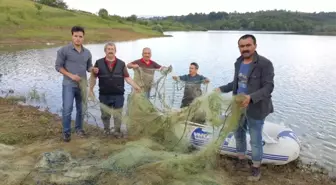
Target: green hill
(23,23)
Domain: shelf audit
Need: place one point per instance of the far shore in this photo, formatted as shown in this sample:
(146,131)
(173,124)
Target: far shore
(98,36)
(92,37)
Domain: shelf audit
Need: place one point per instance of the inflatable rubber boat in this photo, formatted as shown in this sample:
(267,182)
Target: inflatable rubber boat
(280,144)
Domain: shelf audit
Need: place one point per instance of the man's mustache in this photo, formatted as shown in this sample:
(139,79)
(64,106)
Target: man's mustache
(246,51)
(110,53)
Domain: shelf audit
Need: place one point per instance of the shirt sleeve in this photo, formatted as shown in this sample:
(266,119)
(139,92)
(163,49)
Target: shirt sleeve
(126,74)
(183,77)
(156,65)
(202,78)
(60,59)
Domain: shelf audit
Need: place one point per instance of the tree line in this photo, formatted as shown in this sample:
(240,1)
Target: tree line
(275,20)
(271,20)
(53,3)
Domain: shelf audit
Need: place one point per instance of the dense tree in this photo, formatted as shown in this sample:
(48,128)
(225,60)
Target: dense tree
(53,3)
(275,20)
(38,8)
(103,13)
(132,18)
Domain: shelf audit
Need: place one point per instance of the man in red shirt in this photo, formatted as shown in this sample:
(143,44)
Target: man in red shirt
(144,77)
(112,73)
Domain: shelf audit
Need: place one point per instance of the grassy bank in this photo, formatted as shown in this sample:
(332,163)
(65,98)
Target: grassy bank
(22,23)
(26,133)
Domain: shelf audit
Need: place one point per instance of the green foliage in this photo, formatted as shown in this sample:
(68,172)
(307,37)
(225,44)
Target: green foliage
(103,13)
(9,139)
(39,8)
(53,3)
(34,95)
(132,18)
(276,20)
(158,28)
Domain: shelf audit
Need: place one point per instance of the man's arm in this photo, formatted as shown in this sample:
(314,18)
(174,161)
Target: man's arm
(182,78)
(225,88)
(267,80)
(129,80)
(132,65)
(129,65)
(158,66)
(89,64)
(60,62)
(204,79)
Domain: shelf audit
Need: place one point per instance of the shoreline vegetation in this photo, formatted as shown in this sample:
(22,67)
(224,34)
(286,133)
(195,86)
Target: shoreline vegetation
(28,24)
(27,132)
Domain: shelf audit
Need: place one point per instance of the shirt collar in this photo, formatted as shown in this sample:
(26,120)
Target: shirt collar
(73,47)
(255,56)
(114,60)
(149,62)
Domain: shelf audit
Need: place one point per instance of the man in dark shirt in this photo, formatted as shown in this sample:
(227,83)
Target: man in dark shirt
(193,83)
(73,60)
(145,76)
(112,73)
(253,78)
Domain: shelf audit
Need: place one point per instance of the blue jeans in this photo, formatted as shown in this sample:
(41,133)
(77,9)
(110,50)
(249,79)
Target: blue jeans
(112,101)
(255,130)
(69,94)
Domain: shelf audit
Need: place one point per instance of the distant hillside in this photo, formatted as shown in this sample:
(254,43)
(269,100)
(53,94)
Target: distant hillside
(23,21)
(277,20)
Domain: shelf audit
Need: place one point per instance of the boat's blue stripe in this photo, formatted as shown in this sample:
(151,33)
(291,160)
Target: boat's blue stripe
(203,142)
(249,152)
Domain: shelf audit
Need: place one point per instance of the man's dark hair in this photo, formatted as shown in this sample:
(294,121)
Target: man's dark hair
(77,29)
(194,64)
(248,36)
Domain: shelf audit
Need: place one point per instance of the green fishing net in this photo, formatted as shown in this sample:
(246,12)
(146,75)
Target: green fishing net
(158,149)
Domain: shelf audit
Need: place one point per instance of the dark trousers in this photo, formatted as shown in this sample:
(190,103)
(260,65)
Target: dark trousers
(199,116)
(116,102)
(186,102)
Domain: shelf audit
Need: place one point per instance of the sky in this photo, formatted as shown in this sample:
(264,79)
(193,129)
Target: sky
(175,7)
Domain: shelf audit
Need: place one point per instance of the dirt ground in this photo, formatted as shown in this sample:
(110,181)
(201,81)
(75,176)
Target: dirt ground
(26,132)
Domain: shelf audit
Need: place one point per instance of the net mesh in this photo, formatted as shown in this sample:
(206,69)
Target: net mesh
(157,150)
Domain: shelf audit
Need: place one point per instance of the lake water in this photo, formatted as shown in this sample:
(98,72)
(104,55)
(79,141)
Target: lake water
(304,96)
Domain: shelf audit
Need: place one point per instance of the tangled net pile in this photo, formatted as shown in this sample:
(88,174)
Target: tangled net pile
(160,152)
